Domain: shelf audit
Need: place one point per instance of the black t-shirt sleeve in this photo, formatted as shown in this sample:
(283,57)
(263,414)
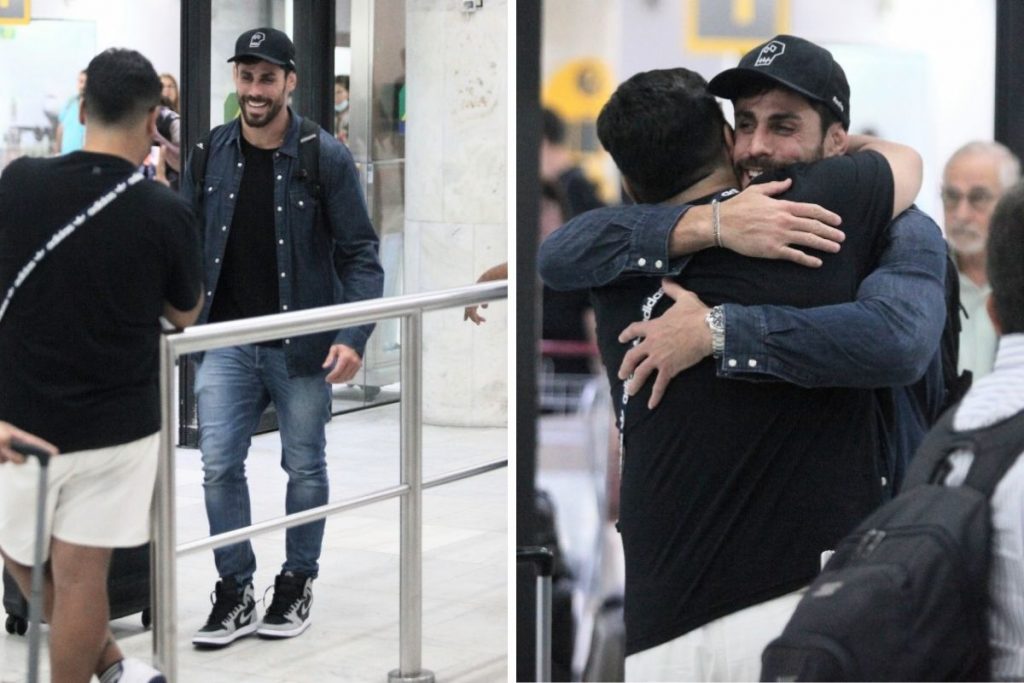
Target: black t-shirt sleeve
(859,187)
(182,259)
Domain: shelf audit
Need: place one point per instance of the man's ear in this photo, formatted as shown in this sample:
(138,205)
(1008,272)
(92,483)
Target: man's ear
(990,307)
(81,110)
(836,140)
(628,189)
(151,121)
(291,80)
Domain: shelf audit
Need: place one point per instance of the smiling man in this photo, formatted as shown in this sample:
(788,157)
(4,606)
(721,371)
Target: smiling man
(730,490)
(275,239)
(793,104)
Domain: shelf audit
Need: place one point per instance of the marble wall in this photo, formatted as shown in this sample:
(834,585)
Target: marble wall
(456,198)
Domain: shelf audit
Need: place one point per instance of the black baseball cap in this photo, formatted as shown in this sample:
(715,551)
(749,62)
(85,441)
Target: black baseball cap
(267,44)
(795,63)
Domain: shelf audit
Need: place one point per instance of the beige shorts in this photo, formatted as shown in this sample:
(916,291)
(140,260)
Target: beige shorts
(95,498)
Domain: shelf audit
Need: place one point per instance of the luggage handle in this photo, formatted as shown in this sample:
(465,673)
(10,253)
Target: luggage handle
(544,560)
(28,449)
(35,605)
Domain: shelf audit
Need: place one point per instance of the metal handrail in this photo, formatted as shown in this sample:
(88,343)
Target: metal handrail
(281,325)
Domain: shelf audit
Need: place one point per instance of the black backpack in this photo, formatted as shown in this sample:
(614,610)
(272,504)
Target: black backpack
(955,384)
(309,165)
(905,596)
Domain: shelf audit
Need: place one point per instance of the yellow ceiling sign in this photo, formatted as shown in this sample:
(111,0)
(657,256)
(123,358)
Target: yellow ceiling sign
(579,89)
(15,11)
(717,26)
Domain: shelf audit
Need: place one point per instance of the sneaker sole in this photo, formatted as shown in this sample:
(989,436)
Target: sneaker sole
(277,634)
(212,642)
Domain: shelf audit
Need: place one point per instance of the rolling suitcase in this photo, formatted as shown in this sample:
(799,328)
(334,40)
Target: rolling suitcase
(128,589)
(35,614)
(543,560)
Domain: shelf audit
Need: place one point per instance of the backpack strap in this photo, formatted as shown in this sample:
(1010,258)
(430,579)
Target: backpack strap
(995,448)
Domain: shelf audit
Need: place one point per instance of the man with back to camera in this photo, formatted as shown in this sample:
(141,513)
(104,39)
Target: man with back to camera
(900,308)
(272,243)
(992,399)
(78,353)
(972,182)
(709,555)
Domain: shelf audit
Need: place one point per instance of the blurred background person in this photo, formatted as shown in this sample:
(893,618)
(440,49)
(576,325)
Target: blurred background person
(341,108)
(558,165)
(169,92)
(70,130)
(974,179)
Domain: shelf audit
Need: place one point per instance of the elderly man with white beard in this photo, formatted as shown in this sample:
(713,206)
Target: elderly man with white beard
(974,179)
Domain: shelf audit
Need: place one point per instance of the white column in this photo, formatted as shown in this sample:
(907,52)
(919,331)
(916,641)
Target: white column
(456,204)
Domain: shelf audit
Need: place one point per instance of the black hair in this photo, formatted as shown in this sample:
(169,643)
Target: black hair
(1005,256)
(756,86)
(665,132)
(121,86)
(554,127)
(341,80)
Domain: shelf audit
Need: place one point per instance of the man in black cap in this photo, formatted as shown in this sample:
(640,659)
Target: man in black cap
(275,239)
(775,126)
(791,100)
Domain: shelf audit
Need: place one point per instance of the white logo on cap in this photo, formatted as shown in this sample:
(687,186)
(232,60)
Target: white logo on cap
(257,39)
(838,103)
(769,52)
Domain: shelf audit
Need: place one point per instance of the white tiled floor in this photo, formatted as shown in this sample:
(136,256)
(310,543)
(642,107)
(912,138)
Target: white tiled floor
(354,636)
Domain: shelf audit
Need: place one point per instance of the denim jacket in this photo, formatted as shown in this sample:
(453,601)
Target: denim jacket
(888,337)
(319,267)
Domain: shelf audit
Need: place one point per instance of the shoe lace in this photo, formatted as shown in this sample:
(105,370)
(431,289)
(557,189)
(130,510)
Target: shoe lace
(223,605)
(285,597)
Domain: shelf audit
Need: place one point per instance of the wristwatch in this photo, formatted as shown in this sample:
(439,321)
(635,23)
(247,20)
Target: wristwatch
(715,320)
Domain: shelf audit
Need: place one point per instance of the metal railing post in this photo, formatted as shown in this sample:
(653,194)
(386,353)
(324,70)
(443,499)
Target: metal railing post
(162,555)
(217,335)
(410,600)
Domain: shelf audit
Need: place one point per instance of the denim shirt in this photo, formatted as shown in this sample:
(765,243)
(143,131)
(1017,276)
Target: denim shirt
(888,337)
(319,265)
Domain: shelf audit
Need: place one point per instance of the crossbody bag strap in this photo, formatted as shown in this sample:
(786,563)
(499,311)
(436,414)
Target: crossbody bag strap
(64,233)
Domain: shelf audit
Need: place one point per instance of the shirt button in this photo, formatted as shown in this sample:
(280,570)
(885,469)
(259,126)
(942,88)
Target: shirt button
(279,177)
(287,341)
(657,264)
(732,362)
(216,260)
(884,481)
(284,308)
(231,196)
(282,274)
(210,188)
(301,204)
(239,164)
(223,227)
(752,363)
(641,262)
(209,294)
(280,208)
(280,241)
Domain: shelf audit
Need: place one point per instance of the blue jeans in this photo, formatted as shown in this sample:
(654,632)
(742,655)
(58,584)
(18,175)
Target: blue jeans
(233,388)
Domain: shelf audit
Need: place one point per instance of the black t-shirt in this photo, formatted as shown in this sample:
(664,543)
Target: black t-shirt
(78,345)
(731,489)
(248,284)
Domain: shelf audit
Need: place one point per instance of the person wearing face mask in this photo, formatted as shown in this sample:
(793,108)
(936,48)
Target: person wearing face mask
(974,179)
(341,108)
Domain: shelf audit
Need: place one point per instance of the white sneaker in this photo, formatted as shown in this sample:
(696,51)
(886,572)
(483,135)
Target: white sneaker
(138,671)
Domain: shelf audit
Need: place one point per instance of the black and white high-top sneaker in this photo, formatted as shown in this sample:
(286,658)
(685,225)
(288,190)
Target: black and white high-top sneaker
(233,615)
(288,614)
